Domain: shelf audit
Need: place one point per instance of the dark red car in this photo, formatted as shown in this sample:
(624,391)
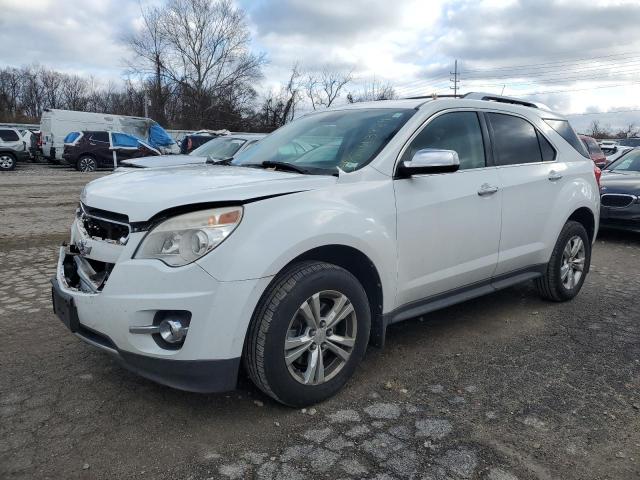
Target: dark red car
(594,151)
(89,150)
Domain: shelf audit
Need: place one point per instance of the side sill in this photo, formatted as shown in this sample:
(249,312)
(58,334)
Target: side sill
(462,294)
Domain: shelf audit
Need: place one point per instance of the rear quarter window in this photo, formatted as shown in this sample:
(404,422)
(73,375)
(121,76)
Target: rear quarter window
(9,135)
(563,128)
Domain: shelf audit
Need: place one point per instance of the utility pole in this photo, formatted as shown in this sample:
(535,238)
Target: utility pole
(455,79)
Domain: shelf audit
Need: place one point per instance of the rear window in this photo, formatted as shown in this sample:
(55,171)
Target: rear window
(71,137)
(9,135)
(563,128)
(593,146)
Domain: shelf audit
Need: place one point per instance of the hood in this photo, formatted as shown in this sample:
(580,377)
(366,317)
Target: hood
(141,193)
(628,182)
(164,161)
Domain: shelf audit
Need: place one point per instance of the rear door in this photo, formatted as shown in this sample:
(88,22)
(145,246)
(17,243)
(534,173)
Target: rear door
(531,179)
(98,145)
(448,223)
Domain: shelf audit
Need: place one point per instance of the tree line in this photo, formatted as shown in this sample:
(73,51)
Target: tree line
(191,67)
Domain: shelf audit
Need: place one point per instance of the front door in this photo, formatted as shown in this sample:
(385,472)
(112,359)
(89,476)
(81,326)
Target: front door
(448,223)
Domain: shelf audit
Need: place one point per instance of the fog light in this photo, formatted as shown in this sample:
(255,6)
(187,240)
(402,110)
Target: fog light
(173,331)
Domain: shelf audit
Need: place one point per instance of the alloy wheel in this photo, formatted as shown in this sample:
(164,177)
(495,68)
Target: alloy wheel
(6,162)
(87,164)
(320,338)
(573,261)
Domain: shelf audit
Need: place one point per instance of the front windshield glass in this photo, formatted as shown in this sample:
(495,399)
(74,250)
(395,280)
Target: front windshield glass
(219,148)
(323,142)
(629,163)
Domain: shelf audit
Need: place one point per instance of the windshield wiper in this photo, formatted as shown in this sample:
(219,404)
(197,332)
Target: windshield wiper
(284,166)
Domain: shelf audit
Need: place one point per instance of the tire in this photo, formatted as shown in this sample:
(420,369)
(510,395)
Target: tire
(559,284)
(280,315)
(86,164)
(7,162)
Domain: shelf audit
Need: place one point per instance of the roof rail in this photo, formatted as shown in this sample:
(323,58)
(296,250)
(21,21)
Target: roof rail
(432,96)
(502,99)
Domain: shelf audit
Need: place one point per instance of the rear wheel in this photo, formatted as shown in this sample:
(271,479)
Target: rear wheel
(7,161)
(568,266)
(308,334)
(87,163)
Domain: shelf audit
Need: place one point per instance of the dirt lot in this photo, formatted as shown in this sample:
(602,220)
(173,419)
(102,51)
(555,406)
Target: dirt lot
(504,387)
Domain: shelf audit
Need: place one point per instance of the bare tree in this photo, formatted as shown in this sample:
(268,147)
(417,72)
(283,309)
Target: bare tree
(279,107)
(597,131)
(150,47)
(324,87)
(373,91)
(630,131)
(208,50)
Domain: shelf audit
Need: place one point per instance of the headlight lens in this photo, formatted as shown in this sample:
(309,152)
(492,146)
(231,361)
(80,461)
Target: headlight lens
(185,238)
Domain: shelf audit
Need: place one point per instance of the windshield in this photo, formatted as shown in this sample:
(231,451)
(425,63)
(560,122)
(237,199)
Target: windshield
(629,163)
(219,148)
(323,142)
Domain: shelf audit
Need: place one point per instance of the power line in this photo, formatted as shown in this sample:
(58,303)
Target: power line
(578,89)
(585,71)
(568,61)
(602,113)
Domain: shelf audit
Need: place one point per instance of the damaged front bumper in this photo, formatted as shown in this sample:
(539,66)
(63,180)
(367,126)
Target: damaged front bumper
(102,295)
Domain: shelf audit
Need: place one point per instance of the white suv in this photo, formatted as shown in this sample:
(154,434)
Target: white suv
(297,255)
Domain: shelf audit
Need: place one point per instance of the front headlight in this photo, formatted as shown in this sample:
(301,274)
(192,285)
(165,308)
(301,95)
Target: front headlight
(185,238)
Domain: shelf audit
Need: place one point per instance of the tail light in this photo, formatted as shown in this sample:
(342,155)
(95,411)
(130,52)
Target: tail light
(598,173)
(189,144)
(40,140)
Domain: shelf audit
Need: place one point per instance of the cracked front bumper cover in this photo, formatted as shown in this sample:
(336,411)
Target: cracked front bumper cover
(203,376)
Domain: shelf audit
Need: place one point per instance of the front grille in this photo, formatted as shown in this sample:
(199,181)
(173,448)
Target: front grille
(104,225)
(617,200)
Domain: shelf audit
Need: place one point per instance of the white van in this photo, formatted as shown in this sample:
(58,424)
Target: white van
(57,124)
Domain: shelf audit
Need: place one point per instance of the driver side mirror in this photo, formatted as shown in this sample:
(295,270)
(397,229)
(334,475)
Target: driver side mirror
(430,160)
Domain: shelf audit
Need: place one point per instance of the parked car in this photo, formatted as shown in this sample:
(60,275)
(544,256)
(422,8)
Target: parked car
(292,265)
(56,124)
(608,146)
(89,150)
(196,139)
(12,148)
(218,150)
(594,151)
(629,142)
(620,193)
(617,152)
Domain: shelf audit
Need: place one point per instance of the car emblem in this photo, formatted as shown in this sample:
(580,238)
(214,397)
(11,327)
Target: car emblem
(84,248)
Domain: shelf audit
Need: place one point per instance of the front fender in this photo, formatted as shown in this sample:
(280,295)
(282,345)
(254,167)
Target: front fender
(275,231)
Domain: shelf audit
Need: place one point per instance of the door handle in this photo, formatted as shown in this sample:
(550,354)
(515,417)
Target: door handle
(554,176)
(486,189)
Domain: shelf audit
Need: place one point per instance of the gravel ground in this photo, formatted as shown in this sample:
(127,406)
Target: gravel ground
(500,388)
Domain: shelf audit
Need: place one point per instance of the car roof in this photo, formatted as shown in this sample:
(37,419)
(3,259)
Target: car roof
(471,100)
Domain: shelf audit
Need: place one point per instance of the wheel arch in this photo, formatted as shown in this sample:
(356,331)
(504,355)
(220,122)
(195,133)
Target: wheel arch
(360,266)
(586,217)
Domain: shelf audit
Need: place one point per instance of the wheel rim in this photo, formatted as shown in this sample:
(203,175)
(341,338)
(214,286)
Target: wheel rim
(6,161)
(320,338)
(87,164)
(573,261)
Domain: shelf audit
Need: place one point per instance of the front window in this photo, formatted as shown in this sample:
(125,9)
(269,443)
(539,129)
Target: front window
(219,148)
(629,163)
(323,142)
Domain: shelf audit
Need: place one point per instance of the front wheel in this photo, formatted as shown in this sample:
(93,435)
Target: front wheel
(7,161)
(308,334)
(568,266)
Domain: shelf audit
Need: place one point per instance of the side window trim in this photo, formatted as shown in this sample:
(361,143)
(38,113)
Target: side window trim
(439,113)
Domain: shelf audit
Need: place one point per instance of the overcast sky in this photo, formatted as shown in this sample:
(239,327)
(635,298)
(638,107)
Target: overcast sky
(583,56)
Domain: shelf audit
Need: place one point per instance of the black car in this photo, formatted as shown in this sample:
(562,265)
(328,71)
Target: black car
(196,139)
(620,193)
(90,150)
